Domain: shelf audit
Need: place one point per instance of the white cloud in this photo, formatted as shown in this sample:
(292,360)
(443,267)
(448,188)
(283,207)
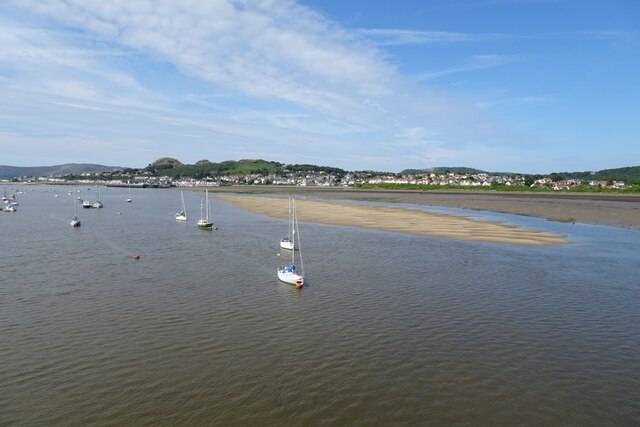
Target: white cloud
(221,77)
(476,62)
(260,48)
(394,37)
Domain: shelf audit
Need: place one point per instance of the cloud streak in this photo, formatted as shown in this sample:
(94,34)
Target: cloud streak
(476,62)
(396,37)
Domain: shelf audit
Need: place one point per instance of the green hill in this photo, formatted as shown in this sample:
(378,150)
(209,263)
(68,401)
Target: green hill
(630,175)
(441,170)
(10,172)
(205,168)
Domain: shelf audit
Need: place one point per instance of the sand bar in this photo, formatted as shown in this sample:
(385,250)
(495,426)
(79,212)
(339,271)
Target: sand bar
(396,219)
(617,210)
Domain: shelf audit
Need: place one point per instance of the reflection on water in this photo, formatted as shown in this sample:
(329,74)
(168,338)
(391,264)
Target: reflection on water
(392,329)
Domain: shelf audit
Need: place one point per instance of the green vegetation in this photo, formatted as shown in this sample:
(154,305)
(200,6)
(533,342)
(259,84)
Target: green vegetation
(204,169)
(630,175)
(313,168)
(442,170)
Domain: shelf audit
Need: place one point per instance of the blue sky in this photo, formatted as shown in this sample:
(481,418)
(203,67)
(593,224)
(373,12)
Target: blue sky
(531,86)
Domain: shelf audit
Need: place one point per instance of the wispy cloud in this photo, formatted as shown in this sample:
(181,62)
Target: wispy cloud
(194,79)
(393,37)
(476,62)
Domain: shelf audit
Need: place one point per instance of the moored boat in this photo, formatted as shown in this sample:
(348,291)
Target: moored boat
(289,273)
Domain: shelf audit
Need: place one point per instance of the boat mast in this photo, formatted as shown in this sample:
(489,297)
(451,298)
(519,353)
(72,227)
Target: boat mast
(207,197)
(298,245)
(293,230)
(289,219)
(293,240)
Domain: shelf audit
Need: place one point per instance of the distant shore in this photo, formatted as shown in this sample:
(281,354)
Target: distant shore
(396,219)
(617,210)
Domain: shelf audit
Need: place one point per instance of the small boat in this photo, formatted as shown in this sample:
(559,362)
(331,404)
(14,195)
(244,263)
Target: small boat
(289,273)
(98,204)
(129,198)
(288,242)
(75,222)
(87,204)
(204,221)
(182,215)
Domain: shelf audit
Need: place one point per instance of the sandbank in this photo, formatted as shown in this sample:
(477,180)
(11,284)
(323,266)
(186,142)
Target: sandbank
(396,219)
(616,210)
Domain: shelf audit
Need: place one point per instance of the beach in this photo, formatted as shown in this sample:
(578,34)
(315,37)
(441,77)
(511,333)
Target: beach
(396,219)
(616,210)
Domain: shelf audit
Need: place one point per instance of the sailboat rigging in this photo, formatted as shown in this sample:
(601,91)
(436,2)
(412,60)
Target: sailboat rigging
(98,203)
(287,242)
(75,222)
(204,221)
(289,273)
(182,215)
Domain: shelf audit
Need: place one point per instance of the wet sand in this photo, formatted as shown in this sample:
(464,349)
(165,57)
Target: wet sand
(617,210)
(394,219)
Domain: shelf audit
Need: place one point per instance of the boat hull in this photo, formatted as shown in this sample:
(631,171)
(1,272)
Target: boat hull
(181,217)
(290,277)
(286,244)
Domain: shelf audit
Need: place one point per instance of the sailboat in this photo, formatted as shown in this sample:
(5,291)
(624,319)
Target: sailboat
(289,273)
(204,221)
(288,242)
(98,203)
(182,215)
(129,198)
(75,222)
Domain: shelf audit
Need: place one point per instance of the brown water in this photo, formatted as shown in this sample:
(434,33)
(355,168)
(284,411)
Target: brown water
(392,329)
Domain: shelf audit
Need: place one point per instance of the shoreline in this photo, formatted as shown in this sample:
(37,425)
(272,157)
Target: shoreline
(396,219)
(614,210)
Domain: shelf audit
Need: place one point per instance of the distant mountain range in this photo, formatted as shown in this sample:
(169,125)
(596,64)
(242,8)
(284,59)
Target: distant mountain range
(167,166)
(10,172)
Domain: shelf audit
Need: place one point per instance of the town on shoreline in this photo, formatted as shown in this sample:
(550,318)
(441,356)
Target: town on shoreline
(363,180)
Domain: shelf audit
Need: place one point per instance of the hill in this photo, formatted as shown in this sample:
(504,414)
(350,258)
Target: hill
(163,164)
(205,168)
(441,170)
(10,172)
(630,175)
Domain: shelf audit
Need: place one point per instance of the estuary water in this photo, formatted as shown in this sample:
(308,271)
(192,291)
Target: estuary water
(392,329)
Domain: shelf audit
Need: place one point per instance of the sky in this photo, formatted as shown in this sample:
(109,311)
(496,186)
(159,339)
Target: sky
(530,86)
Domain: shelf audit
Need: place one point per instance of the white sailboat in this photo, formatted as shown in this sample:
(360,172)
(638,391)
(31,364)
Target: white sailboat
(129,198)
(287,242)
(204,221)
(290,273)
(98,203)
(182,215)
(75,222)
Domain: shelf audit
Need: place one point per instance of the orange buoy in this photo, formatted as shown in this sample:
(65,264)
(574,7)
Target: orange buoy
(136,257)
(299,284)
